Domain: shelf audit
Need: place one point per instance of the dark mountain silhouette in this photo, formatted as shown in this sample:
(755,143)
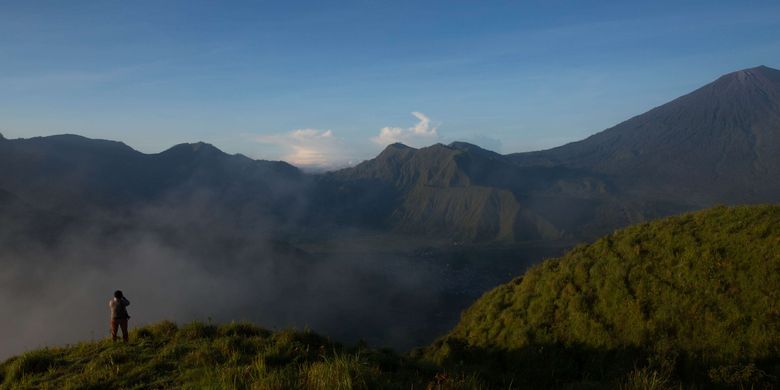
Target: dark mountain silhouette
(467,193)
(720,143)
(74,175)
(434,193)
(463,192)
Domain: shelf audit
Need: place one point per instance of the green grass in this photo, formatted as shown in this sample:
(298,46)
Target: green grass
(198,355)
(691,301)
(687,296)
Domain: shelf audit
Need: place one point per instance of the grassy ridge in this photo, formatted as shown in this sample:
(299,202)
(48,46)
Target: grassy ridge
(237,355)
(691,301)
(694,297)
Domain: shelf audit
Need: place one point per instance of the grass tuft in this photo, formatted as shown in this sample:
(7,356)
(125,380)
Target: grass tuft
(30,364)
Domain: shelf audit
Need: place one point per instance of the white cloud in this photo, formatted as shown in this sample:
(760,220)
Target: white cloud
(421,134)
(307,147)
(321,149)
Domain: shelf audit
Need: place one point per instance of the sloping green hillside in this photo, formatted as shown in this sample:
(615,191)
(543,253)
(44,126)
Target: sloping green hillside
(231,356)
(695,296)
(691,301)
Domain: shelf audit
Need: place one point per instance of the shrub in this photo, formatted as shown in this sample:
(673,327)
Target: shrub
(204,354)
(197,330)
(274,379)
(30,363)
(144,334)
(339,372)
(163,330)
(645,379)
(243,329)
(740,375)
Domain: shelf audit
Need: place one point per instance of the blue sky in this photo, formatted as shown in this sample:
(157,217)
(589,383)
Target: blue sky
(331,82)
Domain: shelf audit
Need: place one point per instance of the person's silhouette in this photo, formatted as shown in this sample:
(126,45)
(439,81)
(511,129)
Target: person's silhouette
(119,315)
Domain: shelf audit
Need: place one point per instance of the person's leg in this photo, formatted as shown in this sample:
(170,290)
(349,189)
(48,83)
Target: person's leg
(123,324)
(114,325)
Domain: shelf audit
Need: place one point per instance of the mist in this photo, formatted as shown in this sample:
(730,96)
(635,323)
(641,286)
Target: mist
(195,234)
(175,264)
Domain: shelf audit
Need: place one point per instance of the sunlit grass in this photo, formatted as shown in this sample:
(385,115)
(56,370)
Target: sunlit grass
(203,356)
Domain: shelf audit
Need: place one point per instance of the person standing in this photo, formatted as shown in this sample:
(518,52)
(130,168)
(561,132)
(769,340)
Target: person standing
(119,315)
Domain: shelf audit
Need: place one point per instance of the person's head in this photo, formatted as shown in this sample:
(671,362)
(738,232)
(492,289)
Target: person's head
(118,294)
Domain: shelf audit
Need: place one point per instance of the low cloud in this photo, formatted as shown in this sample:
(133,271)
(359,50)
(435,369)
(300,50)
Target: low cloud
(209,271)
(308,147)
(318,149)
(421,134)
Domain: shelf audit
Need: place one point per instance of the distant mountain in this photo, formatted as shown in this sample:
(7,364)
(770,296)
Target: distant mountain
(720,143)
(468,194)
(77,176)
(461,191)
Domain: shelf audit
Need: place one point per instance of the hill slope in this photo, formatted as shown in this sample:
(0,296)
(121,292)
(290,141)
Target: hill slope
(235,356)
(719,143)
(692,292)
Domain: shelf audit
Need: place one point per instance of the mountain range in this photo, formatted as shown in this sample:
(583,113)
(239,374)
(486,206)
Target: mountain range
(395,246)
(718,144)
